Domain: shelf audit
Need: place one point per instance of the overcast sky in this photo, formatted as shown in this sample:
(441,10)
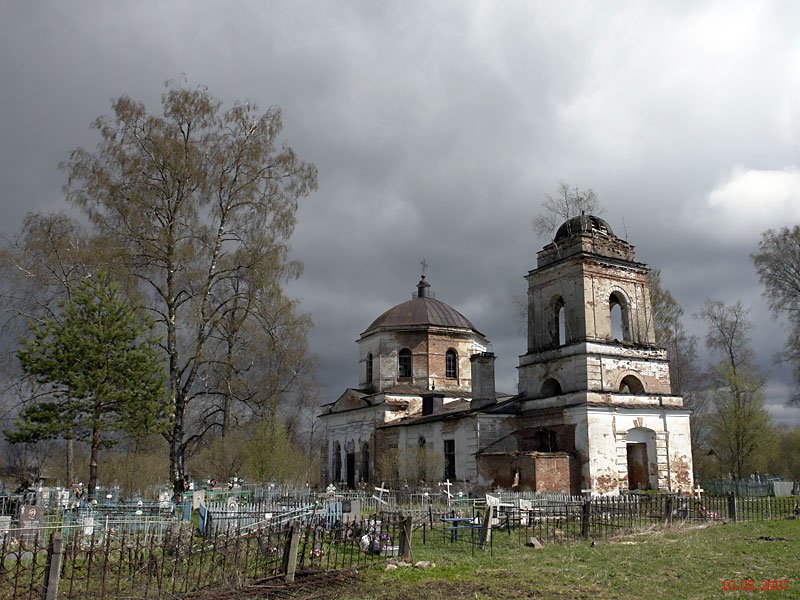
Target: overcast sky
(438,128)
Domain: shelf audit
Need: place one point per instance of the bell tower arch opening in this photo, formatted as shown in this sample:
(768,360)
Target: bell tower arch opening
(620,317)
(558,322)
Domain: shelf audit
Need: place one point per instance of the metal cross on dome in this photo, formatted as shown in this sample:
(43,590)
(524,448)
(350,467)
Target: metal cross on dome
(424,265)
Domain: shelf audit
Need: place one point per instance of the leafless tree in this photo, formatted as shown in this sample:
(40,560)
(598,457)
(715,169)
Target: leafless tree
(778,265)
(739,424)
(686,377)
(568,202)
(196,201)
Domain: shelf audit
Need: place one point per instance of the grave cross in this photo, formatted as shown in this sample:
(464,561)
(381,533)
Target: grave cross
(447,485)
(381,491)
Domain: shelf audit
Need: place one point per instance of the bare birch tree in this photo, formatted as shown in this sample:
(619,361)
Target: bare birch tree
(778,265)
(739,423)
(193,198)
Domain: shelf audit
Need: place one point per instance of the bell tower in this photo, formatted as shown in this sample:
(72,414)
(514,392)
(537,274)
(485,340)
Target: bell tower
(593,364)
(590,321)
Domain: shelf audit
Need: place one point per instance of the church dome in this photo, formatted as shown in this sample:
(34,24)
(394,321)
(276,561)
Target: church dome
(422,310)
(583,224)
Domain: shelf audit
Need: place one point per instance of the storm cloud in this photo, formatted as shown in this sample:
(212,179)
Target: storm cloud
(438,128)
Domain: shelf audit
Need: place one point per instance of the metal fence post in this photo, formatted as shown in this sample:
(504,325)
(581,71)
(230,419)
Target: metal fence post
(585,512)
(668,508)
(732,506)
(53,568)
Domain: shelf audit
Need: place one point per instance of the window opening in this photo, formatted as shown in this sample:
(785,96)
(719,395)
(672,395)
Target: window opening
(631,385)
(547,441)
(618,309)
(551,387)
(451,364)
(450,459)
(337,463)
(369,367)
(404,363)
(365,462)
(559,322)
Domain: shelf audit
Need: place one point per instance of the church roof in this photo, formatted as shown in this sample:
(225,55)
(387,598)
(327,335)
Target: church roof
(421,310)
(583,224)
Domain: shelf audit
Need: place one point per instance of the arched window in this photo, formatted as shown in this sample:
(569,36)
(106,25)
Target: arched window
(404,363)
(551,387)
(365,462)
(558,324)
(618,309)
(369,367)
(631,385)
(337,462)
(451,364)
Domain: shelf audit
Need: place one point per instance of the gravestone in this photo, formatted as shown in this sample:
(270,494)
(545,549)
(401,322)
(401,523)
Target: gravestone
(351,511)
(198,498)
(30,522)
(492,501)
(5,525)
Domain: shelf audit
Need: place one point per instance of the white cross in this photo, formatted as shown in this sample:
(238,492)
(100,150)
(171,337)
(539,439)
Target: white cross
(447,484)
(381,491)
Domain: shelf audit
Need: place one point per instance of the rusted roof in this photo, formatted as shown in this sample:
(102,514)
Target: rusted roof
(422,311)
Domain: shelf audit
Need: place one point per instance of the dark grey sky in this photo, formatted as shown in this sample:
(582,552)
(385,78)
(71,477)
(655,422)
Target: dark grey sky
(439,127)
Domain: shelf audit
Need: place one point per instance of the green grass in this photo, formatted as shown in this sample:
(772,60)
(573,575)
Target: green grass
(681,562)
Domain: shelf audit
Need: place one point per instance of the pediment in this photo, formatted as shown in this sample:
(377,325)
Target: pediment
(350,400)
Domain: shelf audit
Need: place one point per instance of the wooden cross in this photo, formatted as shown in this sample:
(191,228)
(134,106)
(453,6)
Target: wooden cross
(381,491)
(447,484)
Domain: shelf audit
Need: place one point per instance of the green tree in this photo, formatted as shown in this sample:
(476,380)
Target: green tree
(104,373)
(778,265)
(42,266)
(201,204)
(740,429)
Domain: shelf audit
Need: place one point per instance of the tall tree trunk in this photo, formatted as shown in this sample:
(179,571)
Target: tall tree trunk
(70,460)
(93,458)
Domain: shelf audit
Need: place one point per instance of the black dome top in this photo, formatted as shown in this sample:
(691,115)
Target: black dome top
(583,224)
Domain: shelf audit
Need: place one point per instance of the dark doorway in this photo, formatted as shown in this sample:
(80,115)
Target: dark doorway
(351,470)
(638,476)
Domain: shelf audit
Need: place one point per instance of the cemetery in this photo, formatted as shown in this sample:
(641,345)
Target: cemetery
(251,535)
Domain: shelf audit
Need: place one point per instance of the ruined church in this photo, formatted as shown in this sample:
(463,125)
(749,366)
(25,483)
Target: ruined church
(594,412)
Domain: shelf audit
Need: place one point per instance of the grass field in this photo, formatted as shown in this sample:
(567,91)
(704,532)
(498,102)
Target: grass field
(680,562)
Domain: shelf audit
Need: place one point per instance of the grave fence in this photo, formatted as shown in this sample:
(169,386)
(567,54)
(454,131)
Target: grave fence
(171,559)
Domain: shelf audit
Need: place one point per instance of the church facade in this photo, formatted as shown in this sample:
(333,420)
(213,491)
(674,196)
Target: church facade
(594,410)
